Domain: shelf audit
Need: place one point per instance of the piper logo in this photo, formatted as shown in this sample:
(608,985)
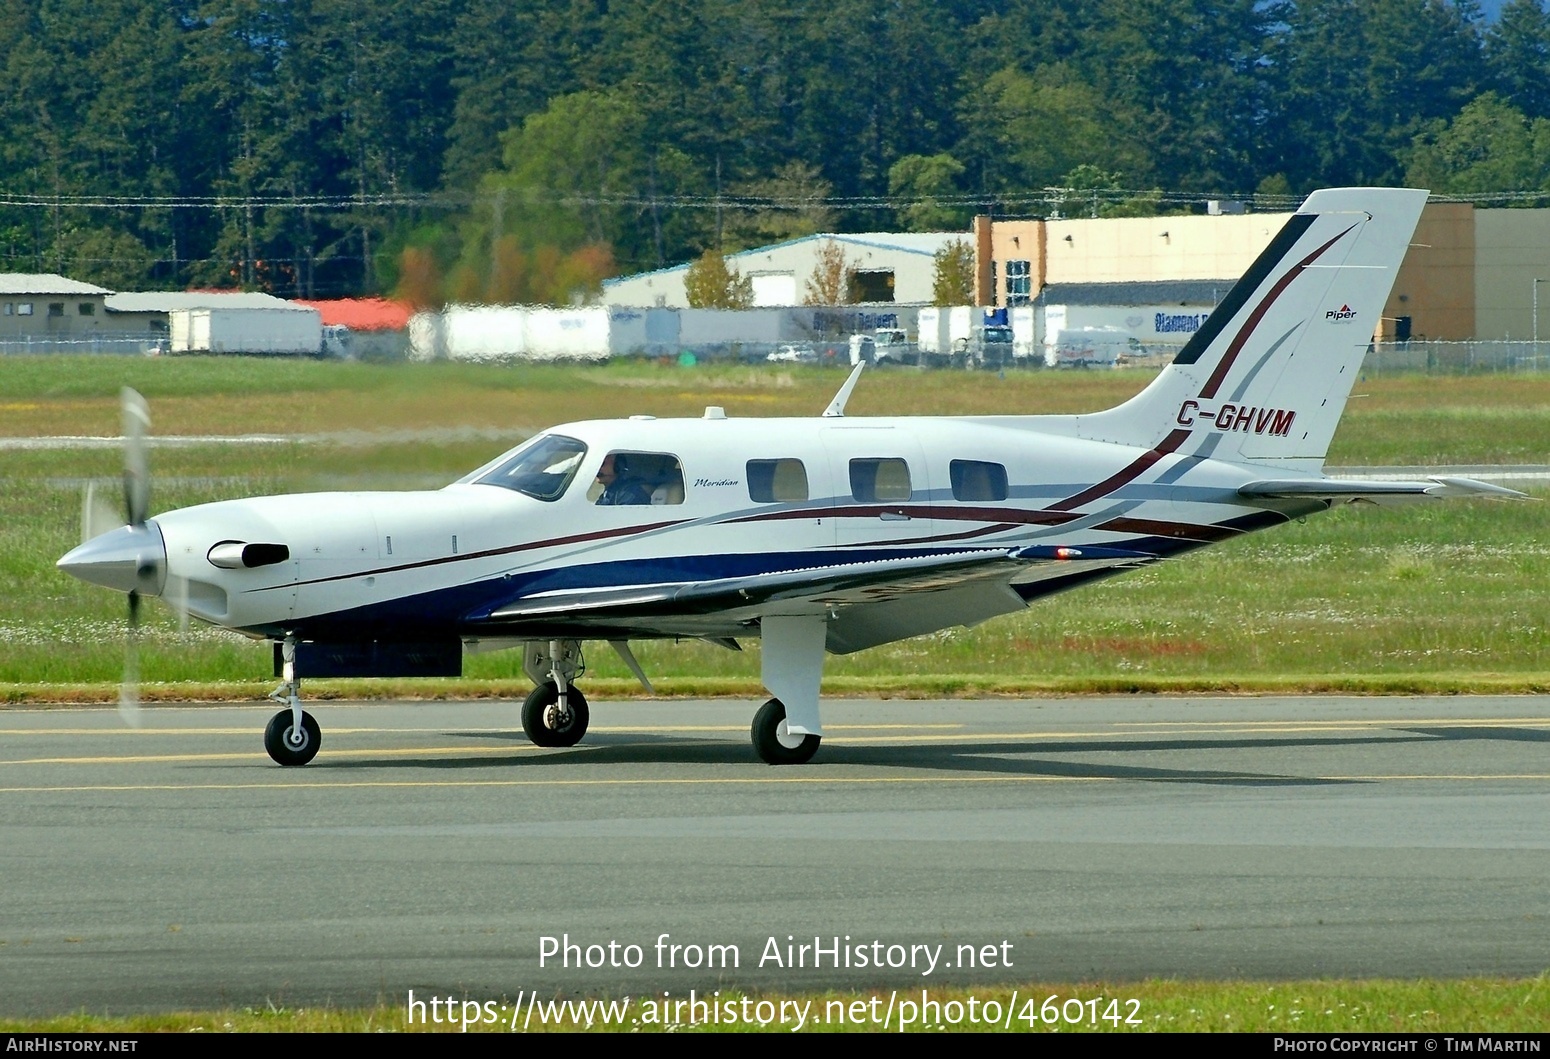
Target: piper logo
(1340,315)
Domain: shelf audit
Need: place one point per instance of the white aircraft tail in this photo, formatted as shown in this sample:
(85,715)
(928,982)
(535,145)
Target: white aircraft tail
(1266,377)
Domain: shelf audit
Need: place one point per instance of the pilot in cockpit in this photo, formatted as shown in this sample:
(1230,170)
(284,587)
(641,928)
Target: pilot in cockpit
(620,486)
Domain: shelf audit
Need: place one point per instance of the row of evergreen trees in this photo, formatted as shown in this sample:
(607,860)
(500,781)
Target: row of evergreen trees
(520,150)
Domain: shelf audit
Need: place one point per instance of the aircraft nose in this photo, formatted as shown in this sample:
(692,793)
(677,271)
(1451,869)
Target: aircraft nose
(129,559)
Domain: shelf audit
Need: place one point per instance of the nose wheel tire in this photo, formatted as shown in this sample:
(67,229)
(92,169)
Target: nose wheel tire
(544,722)
(775,743)
(288,746)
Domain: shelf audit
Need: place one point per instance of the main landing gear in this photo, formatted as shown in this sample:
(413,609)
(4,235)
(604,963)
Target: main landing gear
(785,730)
(774,741)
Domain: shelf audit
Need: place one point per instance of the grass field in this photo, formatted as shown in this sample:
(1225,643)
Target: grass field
(1475,1005)
(1448,595)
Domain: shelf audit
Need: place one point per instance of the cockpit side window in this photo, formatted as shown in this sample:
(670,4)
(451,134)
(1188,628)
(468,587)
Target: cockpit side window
(542,469)
(626,479)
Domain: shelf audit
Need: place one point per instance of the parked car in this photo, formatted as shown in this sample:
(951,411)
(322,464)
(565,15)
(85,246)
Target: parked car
(794,353)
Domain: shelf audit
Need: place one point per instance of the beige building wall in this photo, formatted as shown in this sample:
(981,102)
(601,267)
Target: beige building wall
(1512,250)
(1436,282)
(51,313)
(1143,249)
(1011,241)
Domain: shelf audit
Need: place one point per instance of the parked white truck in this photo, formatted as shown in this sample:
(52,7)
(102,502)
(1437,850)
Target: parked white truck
(281,332)
(944,334)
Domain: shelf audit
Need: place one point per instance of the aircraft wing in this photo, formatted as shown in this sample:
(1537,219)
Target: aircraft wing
(869,593)
(1374,492)
(842,584)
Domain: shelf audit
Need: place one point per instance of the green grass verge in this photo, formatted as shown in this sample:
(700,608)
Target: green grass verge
(924,686)
(1471,1005)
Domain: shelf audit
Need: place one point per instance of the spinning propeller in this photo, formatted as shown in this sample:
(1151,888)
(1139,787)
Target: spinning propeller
(137,503)
(132,557)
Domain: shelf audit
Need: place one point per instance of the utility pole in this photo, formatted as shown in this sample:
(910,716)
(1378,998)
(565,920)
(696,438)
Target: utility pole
(1535,301)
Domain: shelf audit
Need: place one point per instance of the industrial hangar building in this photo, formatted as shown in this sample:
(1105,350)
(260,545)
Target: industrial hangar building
(885,267)
(1471,273)
(45,304)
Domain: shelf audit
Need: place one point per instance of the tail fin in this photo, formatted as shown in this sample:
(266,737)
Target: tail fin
(1266,378)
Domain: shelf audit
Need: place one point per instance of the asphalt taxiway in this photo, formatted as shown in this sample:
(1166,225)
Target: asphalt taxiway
(430,847)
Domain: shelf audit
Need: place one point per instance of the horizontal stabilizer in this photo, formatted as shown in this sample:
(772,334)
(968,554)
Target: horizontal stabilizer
(1376,492)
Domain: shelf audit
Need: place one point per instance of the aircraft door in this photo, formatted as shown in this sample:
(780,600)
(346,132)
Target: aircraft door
(788,497)
(882,487)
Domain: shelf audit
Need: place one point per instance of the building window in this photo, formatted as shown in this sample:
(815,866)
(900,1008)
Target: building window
(23,308)
(10,309)
(86,309)
(56,308)
(1019,282)
(871,286)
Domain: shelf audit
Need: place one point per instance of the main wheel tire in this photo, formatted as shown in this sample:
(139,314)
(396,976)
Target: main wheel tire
(537,719)
(286,750)
(776,745)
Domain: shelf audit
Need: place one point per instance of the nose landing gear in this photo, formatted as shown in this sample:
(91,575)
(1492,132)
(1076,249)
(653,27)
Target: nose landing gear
(293,736)
(555,711)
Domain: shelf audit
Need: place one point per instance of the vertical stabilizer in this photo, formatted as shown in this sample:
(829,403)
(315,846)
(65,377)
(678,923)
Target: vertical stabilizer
(1266,378)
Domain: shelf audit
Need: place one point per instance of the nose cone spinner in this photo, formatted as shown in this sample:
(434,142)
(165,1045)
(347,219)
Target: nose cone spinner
(129,559)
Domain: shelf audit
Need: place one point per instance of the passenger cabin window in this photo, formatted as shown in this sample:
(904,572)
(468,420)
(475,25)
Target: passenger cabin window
(879,480)
(975,480)
(776,481)
(627,479)
(542,469)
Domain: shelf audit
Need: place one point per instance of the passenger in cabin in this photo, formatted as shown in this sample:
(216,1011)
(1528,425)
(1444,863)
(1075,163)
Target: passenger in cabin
(620,487)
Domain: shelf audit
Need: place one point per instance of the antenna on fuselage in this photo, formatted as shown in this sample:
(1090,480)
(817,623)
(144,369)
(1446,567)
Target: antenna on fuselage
(837,406)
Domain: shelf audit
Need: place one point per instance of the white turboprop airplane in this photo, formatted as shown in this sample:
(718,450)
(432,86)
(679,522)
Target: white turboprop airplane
(828,534)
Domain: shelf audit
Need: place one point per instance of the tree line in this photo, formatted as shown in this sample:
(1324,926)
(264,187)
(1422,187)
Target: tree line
(522,150)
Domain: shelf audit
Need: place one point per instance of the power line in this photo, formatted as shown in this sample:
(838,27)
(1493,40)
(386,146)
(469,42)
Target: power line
(1031,197)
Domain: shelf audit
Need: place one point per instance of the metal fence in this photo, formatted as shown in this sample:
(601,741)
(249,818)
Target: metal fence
(1383,358)
(1456,358)
(123,343)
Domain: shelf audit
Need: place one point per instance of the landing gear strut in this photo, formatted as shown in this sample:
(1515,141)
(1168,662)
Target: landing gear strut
(293,736)
(555,712)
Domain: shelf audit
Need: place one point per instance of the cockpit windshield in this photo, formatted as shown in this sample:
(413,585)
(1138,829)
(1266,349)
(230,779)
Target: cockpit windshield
(541,469)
